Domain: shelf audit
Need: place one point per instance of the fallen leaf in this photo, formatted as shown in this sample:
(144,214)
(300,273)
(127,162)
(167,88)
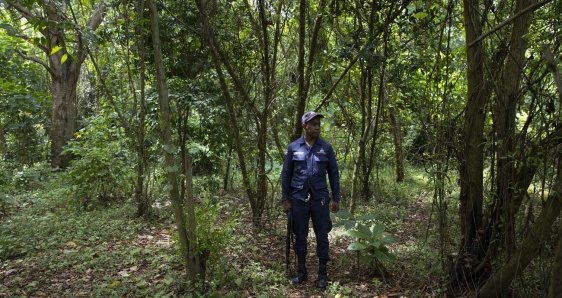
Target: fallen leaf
(114,284)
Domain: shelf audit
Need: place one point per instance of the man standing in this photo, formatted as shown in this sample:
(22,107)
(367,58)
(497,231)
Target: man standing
(305,193)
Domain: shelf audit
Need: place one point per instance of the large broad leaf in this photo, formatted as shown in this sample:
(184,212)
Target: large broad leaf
(9,29)
(377,231)
(389,239)
(381,256)
(343,214)
(357,246)
(349,224)
(365,230)
(357,234)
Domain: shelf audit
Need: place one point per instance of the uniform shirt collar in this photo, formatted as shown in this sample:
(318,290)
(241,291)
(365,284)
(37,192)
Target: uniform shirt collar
(318,141)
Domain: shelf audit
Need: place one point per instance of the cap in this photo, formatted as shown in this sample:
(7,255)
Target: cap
(309,116)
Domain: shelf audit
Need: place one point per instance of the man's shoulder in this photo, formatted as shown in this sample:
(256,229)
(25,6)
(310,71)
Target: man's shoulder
(323,142)
(297,142)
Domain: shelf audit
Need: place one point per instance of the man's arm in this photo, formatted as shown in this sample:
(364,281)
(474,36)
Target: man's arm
(334,176)
(286,177)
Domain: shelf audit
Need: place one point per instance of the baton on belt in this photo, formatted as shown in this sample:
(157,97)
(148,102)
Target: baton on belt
(289,238)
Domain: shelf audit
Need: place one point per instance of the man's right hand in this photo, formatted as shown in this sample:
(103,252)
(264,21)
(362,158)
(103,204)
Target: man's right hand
(287,206)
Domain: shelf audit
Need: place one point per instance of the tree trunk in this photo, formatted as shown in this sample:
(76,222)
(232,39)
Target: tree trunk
(303,69)
(143,203)
(63,88)
(555,288)
(398,151)
(64,73)
(504,122)
(187,241)
(472,157)
(531,245)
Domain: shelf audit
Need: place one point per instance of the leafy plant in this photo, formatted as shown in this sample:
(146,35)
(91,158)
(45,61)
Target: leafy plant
(371,242)
(100,170)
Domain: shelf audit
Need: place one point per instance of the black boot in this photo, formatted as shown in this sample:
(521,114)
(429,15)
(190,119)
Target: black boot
(301,273)
(322,274)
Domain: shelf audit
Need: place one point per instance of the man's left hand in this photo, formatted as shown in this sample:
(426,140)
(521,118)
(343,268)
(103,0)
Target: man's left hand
(335,207)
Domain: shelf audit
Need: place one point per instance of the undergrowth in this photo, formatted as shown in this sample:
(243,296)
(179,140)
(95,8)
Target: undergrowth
(50,245)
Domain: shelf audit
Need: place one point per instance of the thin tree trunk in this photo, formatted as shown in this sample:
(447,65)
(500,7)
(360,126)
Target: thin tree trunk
(143,203)
(303,69)
(505,114)
(187,240)
(398,151)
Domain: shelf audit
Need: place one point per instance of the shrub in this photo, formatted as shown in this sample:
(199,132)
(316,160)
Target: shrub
(100,170)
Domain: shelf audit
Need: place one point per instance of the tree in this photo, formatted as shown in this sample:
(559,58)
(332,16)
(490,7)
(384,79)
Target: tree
(65,42)
(195,260)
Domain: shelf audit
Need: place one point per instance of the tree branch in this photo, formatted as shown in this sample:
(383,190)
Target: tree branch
(36,61)
(498,27)
(552,66)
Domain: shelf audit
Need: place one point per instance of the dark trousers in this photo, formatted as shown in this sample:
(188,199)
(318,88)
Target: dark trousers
(319,212)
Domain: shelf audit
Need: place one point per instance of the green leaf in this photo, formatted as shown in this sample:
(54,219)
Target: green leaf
(170,148)
(343,214)
(349,224)
(55,49)
(357,246)
(377,231)
(357,234)
(420,15)
(9,29)
(389,239)
(168,187)
(365,230)
(63,58)
(381,256)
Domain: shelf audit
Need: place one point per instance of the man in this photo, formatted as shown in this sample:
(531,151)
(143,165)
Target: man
(305,193)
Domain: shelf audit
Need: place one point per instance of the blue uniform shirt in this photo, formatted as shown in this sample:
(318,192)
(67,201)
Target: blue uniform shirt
(304,171)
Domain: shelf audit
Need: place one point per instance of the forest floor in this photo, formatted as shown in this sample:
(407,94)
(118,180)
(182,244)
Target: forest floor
(140,259)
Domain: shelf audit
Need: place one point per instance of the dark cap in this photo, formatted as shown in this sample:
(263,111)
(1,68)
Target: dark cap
(309,116)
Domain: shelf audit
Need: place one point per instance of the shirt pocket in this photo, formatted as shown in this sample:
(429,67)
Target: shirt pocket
(299,162)
(321,164)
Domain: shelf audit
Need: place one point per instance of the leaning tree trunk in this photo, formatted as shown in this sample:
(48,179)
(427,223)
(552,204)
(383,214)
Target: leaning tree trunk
(531,245)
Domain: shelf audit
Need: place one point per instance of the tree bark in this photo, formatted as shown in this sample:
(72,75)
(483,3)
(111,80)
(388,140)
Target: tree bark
(504,122)
(398,151)
(143,204)
(531,245)
(555,288)
(472,157)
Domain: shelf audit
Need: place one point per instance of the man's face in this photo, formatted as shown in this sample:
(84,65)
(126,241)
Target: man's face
(312,127)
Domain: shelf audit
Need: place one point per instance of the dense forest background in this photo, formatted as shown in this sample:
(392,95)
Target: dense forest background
(142,142)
